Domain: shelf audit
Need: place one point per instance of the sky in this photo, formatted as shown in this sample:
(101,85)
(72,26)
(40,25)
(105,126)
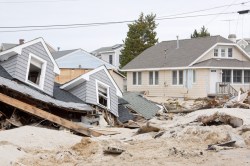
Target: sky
(15,13)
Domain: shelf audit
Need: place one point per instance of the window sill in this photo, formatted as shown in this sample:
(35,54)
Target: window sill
(34,85)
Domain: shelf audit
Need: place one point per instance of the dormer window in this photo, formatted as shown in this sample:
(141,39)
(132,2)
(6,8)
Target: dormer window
(36,68)
(230,52)
(215,52)
(223,52)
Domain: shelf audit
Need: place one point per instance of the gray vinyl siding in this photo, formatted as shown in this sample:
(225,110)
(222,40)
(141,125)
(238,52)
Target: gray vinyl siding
(19,63)
(10,65)
(79,91)
(91,96)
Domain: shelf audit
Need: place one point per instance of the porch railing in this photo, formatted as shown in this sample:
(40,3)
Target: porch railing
(224,88)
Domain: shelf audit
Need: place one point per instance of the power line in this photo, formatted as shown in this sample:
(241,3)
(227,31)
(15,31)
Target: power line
(13,2)
(70,26)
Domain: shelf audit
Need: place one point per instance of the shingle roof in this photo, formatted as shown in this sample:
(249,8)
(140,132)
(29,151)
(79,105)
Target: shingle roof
(140,105)
(61,97)
(222,63)
(59,54)
(106,49)
(166,54)
(124,114)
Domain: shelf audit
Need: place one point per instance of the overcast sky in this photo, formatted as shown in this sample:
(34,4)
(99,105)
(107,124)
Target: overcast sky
(50,12)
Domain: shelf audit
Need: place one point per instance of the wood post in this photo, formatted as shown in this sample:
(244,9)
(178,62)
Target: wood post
(46,115)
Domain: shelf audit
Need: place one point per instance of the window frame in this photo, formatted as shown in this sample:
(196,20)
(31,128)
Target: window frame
(137,80)
(42,75)
(230,52)
(248,76)
(224,50)
(235,77)
(108,94)
(226,76)
(153,80)
(216,52)
(178,77)
(110,59)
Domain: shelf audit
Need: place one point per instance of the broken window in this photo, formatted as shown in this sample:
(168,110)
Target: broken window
(103,95)
(237,76)
(36,71)
(226,76)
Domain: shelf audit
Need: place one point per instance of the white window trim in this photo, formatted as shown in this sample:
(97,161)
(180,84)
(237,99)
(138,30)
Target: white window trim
(97,82)
(226,53)
(137,78)
(178,78)
(242,78)
(153,78)
(43,72)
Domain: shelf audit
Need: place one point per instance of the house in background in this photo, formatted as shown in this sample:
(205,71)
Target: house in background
(245,44)
(110,54)
(74,63)
(197,67)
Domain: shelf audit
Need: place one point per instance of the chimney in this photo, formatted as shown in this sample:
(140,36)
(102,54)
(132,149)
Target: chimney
(21,41)
(177,42)
(232,37)
(58,48)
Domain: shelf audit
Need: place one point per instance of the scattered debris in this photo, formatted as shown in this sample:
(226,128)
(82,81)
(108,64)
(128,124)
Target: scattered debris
(148,128)
(113,150)
(215,146)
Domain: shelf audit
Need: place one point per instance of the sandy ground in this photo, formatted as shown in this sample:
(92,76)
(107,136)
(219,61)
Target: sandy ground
(184,142)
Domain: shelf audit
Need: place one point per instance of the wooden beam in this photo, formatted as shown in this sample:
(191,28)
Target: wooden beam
(46,115)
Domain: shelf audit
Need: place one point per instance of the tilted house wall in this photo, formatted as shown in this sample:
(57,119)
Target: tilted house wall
(18,65)
(87,90)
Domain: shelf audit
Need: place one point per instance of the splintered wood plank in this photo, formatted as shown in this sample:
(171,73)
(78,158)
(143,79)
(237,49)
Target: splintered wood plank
(46,115)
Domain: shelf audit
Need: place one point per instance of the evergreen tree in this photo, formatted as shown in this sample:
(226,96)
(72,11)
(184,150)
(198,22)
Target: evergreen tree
(140,36)
(203,32)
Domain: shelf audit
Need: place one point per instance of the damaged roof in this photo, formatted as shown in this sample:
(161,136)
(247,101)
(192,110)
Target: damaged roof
(140,104)
(124,114)
(166,53)
(62,98)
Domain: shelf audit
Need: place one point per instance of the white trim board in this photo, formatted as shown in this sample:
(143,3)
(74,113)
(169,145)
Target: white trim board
(18,50)
(86,76)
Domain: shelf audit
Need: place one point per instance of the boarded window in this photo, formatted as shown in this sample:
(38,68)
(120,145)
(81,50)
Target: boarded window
(247,76)
(174,77)
(237,76)
(230,52)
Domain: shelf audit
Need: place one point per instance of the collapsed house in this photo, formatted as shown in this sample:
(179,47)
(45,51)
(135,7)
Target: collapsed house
(29,94)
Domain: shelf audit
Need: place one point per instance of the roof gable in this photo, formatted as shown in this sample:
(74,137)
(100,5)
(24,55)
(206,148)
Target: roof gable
(18,50)
(167,55)
(85,77)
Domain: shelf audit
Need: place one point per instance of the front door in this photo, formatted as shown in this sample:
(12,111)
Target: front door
(213,80)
